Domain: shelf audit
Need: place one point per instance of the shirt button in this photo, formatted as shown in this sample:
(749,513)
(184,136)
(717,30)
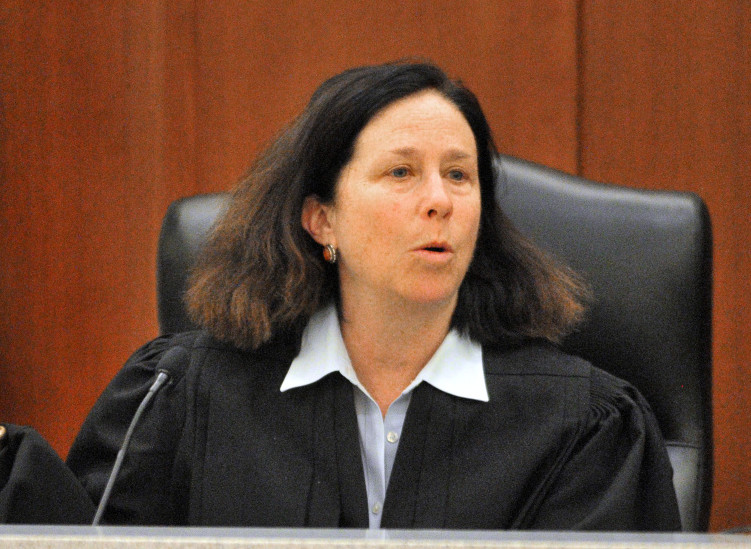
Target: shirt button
(376,508)
(392,437)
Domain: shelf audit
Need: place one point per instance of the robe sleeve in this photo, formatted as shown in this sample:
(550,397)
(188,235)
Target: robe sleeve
(618,475)
(36,486)
(145,491)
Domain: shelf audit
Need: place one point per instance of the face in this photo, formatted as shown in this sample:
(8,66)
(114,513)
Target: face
(406,210)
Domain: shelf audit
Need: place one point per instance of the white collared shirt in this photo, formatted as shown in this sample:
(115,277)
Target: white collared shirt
(455,368)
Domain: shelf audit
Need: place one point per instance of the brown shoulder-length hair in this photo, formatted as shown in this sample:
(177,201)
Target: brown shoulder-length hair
(261,275)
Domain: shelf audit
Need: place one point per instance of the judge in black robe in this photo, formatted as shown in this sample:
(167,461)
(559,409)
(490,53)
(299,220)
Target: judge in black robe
(560,445)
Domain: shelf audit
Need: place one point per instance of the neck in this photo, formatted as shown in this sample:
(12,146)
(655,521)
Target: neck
(389,345)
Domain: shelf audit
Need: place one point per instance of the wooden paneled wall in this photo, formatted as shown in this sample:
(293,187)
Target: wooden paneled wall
(110,110)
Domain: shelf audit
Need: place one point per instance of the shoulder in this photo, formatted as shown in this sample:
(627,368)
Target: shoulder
(196,360)
(192,342)
(193,362)
(181,349)
(542,359)
(554,379)
(533,358)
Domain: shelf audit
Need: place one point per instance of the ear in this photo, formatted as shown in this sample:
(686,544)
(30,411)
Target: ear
(317,218)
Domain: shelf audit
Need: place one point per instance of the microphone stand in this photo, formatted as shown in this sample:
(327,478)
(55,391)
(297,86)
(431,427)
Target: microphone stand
(161,379)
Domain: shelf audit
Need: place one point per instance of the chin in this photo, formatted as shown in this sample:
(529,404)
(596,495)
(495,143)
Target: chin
(431,296)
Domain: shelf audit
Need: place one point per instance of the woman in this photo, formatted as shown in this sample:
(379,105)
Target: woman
(378,348)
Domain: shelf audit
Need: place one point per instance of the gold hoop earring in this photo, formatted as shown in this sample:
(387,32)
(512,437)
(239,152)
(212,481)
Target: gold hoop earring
(329,253)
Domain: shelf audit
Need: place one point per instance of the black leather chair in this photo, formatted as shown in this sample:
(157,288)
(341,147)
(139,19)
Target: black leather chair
(647,256)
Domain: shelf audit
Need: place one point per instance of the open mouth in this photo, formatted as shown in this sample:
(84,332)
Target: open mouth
(435,253)
(436,247)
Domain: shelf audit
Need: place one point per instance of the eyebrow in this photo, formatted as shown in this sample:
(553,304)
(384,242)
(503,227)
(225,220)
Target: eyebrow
(457,154)
(404,151)
(454,154)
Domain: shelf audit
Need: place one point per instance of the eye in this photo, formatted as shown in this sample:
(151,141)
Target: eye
(399,172)
(457,175)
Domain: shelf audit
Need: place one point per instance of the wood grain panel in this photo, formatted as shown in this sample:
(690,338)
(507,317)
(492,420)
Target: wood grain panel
(87,110)
(259,63)
(666,103)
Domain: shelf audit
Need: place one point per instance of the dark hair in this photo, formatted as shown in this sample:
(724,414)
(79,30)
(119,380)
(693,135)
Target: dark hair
(261,275)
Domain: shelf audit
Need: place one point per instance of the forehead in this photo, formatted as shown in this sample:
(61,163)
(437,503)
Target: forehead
(426,118)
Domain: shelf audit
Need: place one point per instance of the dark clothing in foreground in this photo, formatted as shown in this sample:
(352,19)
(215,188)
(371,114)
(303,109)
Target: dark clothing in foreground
(560,445)
(35,485)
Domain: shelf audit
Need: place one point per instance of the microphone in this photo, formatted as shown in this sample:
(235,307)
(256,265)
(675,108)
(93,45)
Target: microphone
(163,375)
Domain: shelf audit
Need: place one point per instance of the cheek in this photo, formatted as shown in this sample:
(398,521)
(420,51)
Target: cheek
(391,217)
(372,219)
(470,216)
(368,227)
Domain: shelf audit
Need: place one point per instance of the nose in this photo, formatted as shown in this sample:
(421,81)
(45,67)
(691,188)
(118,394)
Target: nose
(437,202)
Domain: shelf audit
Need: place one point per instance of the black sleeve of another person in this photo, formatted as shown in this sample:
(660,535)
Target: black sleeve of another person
(36,487)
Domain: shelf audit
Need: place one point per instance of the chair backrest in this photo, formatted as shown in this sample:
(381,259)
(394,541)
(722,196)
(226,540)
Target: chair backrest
(647,256)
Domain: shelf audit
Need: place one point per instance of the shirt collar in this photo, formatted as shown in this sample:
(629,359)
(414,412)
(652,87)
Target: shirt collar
(456,367)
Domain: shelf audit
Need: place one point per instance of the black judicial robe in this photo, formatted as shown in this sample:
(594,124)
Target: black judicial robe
(560,445)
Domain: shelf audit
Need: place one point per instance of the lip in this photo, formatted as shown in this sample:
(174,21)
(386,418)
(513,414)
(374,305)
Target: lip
(435,253)
(435,247)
